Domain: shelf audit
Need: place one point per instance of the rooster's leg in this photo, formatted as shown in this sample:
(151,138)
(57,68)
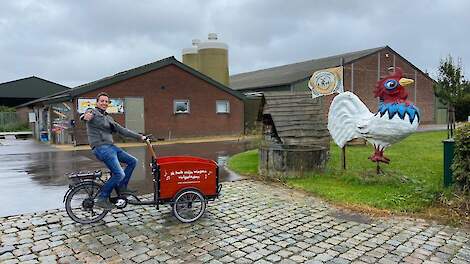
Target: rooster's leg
(386,160)
(378,155)
(378,169)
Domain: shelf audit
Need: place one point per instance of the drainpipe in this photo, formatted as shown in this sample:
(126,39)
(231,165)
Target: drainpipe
(378,73)
(416,86)
(49,125)
(352,77)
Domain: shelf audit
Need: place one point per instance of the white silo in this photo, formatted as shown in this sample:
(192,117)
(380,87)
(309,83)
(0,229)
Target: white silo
(213,59)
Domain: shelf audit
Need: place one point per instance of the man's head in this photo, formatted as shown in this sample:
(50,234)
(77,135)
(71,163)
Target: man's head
(102,101)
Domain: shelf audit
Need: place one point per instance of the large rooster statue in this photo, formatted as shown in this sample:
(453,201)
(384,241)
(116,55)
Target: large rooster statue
(396,118)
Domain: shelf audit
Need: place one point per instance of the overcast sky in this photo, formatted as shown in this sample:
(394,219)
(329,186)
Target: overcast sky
(76,42)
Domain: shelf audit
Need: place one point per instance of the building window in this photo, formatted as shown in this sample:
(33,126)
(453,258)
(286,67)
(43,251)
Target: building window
(222,107)
(181,106)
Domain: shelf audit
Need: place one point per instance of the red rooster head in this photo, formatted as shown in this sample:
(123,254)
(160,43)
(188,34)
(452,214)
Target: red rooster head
(391,89)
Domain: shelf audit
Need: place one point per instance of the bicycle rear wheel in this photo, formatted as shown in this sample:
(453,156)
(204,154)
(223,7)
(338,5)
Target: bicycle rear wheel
(80,203)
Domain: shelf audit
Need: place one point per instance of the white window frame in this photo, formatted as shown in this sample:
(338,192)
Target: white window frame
(177,101)
(227,102)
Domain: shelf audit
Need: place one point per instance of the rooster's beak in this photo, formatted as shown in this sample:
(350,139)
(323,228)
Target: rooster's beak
(406,82)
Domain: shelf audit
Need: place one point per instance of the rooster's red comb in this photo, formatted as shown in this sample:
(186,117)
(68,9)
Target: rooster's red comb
(395,71)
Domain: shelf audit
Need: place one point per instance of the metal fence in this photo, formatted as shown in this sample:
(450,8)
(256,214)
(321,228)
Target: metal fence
(8,119)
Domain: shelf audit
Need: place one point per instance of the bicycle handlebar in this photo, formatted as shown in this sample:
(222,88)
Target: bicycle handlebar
(148,140)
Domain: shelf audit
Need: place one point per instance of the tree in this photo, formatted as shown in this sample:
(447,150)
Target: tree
(4,108)
(451,89)
(462,108)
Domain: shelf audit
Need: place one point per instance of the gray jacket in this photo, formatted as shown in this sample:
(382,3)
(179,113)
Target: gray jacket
(101,127)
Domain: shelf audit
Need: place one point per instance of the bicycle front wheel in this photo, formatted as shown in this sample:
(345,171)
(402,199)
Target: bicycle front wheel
(80,203)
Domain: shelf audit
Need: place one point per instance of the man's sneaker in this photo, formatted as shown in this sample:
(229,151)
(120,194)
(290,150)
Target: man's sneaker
(104,203)
(125,190)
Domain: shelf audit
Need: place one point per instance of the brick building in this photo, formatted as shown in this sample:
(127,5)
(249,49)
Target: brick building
(361,70)
(165,98)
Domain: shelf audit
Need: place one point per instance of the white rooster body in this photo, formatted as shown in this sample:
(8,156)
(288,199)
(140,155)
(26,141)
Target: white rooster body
(350,118)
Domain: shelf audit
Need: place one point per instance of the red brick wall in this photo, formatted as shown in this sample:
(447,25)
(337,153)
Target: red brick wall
(158,104)
(365,78)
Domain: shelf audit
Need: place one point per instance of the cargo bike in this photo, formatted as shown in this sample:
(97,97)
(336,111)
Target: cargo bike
(185,183)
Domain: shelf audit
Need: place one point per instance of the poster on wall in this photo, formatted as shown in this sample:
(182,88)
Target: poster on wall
(116,106)
(326,81)
(32,117)
(60,117)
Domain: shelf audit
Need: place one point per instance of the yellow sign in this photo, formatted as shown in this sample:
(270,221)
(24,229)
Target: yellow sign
(116,106)
(326,81)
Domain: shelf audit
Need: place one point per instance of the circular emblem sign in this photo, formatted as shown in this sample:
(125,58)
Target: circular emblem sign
(323,82)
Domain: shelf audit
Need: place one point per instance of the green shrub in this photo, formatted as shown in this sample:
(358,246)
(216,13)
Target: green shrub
(461,164)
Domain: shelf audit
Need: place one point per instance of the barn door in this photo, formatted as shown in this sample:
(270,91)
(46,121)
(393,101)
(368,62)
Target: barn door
(134,109)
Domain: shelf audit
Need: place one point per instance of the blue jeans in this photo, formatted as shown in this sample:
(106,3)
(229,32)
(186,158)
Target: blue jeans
(112,156)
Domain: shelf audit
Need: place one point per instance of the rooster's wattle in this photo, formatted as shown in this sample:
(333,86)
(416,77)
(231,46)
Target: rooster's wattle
(396,118)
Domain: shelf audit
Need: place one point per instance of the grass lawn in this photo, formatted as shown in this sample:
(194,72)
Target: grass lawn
(411,182)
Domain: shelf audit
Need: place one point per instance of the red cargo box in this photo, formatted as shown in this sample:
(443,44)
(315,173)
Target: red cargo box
(182,172)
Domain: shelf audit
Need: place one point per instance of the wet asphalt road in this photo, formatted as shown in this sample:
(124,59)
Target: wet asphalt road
(32,174)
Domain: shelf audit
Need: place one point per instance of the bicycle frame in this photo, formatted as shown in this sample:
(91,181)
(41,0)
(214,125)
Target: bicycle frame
(156,181)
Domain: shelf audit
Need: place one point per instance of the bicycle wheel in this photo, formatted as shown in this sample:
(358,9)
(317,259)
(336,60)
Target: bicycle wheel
(80,202)
(189,206)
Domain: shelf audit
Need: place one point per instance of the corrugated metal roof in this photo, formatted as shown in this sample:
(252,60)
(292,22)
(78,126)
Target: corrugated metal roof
(290,73)
(147,68)
(56,97)
(124,75)
(30,87)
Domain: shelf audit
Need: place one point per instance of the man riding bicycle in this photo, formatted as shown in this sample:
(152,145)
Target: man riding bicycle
(100,127)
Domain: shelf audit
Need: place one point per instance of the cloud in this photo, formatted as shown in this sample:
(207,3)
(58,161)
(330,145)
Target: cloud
(75,42)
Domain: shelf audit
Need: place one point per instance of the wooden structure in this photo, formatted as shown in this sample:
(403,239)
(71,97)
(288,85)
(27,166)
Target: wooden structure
(296,139)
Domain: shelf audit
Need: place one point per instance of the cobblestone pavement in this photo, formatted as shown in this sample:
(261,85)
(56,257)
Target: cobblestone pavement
(253,222)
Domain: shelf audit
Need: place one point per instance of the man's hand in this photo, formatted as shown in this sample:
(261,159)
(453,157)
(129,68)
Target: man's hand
(147,138)
(88,116)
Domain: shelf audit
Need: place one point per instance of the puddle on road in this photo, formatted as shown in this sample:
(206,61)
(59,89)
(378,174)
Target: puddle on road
(32,177)
(353,217)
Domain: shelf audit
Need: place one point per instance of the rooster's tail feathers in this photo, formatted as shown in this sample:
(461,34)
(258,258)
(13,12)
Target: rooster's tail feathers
(346,111)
